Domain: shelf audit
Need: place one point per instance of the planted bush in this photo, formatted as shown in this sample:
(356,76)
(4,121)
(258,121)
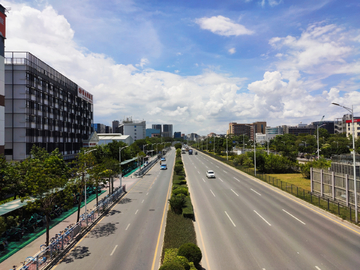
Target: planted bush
(181,190)
(192,252)
(188,210)
(177,203)
(172,266)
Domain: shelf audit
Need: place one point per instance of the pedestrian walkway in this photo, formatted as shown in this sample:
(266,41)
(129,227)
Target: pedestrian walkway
(30,248)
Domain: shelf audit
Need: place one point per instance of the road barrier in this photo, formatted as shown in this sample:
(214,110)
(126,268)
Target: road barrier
(50,254)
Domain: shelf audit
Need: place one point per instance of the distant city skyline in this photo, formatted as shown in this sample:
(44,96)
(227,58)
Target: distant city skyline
(199,66)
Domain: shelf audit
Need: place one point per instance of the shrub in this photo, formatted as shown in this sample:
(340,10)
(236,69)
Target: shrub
(178,169)
(181,190)
(170,255)
(182,261)
(179,162)
(172,266)
(188,210)
(181,177)
(192,252)
(177,203)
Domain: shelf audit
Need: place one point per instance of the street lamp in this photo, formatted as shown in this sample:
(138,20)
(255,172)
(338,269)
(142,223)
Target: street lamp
(351,110)
(121,148)
(87,152)
(227,156)
(318,150)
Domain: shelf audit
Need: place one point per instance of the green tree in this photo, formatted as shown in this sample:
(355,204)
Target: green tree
(84,161)
(46,176)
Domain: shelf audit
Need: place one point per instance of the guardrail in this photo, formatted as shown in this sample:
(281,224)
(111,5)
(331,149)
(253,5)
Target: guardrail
(146,168)
(45,258)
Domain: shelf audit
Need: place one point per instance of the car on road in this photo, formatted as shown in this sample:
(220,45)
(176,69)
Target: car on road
(210,174)
(163,166)
(163,159)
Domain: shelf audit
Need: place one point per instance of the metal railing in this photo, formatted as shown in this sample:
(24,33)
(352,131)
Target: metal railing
(48,254)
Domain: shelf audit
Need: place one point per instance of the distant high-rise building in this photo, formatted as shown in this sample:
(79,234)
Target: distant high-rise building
(167,130)
(158,127)
(99,128)
(177,135)
(150,132)
(115,126)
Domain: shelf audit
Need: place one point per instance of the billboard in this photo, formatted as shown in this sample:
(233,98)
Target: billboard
(2,24)
(85,95)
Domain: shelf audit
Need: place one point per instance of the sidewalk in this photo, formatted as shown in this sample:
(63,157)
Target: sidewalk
(34,247)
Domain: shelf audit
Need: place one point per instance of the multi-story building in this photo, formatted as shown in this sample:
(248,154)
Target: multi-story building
(2,79)
(328,125)
(177,135)
(136,129)
(167,130)
(43,108)
(301,129)
(150,132)
(99,128)
(108,129)
(158,127)
(115,126)
(247,129)
(275,130)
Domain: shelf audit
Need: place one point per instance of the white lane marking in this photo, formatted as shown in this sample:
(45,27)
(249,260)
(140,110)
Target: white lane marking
(136,211)
(235,193)
(142,201)
(318,268)
(256,192)
(147,193)
(195,167)
(294,217)
(224,171)
(262,218)
(113,250)
(198,172)
(212,193)
(217,166)
(221,180)
(203,179)
(236,179)
(127,227)
(230,219)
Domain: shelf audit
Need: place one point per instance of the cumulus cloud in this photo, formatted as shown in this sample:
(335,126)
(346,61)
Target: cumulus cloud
(223,26)
(319,49)
(232,50)
(143,62)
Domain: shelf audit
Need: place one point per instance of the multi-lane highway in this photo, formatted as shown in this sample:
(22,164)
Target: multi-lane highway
(243,223)
(130,236)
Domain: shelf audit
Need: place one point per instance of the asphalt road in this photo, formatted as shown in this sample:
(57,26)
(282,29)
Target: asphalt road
(131,235)
(242,223)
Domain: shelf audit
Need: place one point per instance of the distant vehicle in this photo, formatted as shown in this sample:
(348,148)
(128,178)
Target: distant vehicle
(163,159)
(163,166)
(210,174)
(195,152)
(190,151)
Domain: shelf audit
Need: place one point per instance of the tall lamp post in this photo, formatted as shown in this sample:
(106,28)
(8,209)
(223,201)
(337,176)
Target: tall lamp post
(318,149)
(227,156)
(121,148)
(87,152)
(351,110)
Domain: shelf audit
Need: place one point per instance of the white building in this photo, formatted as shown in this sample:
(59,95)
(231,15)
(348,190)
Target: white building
(105,138)
(135,129)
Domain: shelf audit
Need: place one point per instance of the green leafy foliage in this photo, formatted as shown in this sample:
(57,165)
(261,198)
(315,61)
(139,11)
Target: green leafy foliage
(320,164)
(180,190)
(177,203)
(172,266)
(191,251)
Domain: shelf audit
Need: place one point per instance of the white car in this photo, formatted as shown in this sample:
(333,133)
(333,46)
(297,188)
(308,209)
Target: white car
(210,174)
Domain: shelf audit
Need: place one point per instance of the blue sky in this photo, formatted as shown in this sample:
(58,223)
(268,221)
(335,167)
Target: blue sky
(199,64)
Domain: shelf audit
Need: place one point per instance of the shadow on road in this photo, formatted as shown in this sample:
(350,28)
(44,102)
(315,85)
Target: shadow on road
(103,230)
(76,254)
(125,200)
(113,212)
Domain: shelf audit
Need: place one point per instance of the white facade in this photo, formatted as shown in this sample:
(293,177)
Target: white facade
(137,130)
(105,138)
(349,129)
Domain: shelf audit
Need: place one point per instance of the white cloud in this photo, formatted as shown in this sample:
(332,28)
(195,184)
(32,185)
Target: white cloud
(143,62)
(321,49)
(232,50)
(223,26)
